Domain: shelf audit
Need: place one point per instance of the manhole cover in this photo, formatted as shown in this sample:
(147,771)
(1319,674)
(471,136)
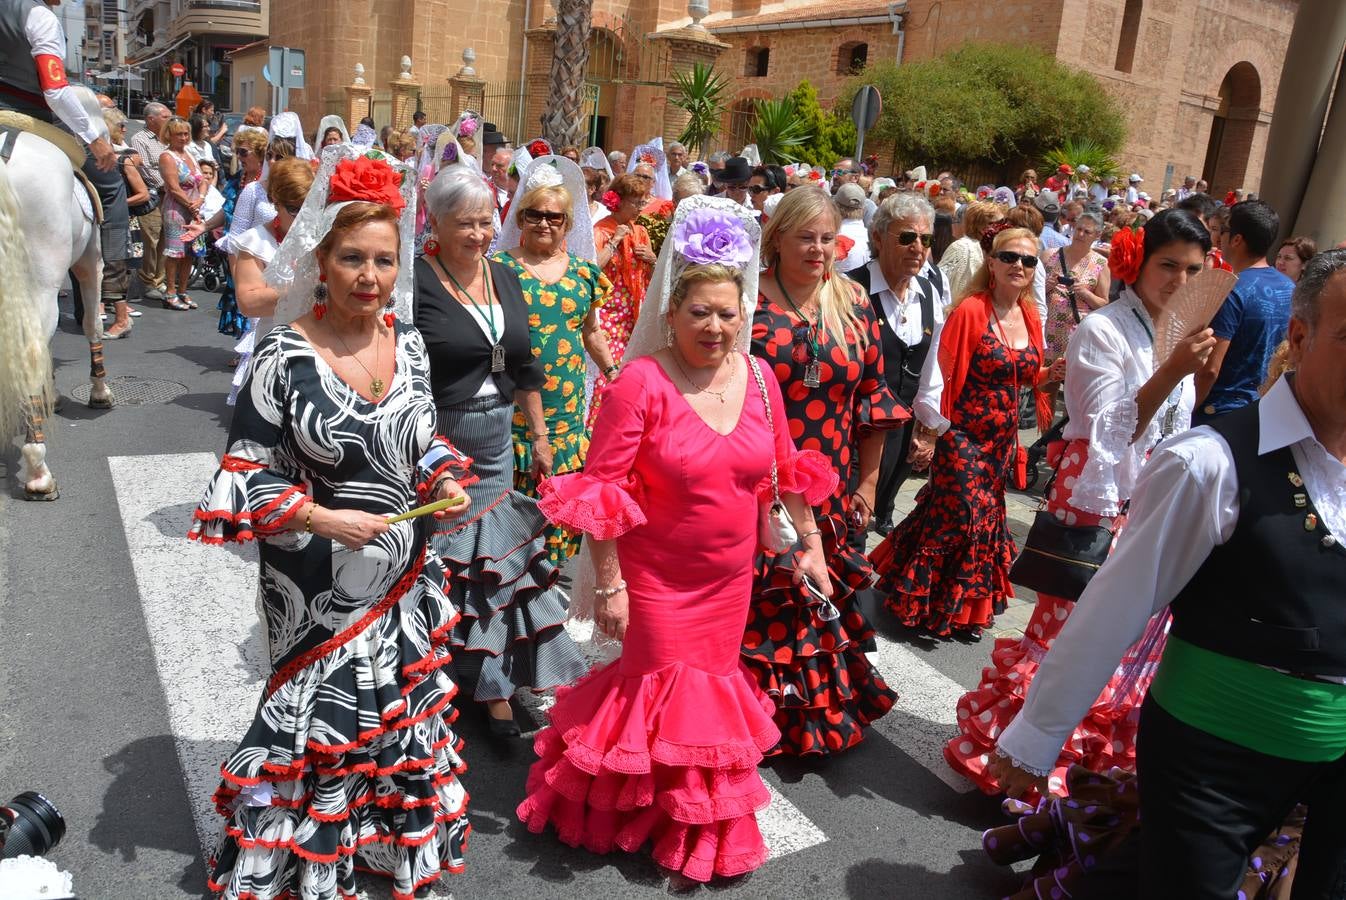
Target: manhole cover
(128,390)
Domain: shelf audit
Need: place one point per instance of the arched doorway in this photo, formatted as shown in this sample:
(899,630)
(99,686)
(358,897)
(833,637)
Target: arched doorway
(1232,131)
(604,74)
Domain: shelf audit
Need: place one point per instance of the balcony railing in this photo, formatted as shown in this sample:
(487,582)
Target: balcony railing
(253,6)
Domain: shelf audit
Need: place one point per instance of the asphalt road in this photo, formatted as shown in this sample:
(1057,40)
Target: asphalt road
(128,665)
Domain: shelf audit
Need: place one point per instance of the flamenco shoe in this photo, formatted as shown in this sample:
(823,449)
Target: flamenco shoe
(501,727)
(116,333)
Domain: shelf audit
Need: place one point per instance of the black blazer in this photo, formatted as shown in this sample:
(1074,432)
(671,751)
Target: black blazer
(457,346)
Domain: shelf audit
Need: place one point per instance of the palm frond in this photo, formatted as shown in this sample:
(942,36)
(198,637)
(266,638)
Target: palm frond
(701,94)
(778,131)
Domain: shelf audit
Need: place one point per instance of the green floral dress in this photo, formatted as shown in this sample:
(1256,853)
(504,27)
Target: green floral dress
(556,314)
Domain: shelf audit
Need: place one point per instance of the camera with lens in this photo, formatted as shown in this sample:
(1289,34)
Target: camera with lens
(30,825)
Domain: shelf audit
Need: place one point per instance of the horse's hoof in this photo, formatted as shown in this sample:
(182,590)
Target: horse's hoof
(100,402)
(50,495)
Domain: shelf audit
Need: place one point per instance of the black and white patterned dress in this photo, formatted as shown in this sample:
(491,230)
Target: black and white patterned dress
(350,762)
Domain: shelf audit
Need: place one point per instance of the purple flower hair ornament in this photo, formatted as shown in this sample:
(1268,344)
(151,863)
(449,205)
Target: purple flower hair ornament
(708,236)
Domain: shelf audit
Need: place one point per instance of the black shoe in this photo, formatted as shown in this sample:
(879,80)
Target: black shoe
(883,528)
(423,891)
(502,728)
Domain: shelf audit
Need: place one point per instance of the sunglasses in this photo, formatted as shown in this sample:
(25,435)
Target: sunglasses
(1009,258)
(243,152)
(538,216)
(907,238)
(736,186)
(758,188)
(292,210)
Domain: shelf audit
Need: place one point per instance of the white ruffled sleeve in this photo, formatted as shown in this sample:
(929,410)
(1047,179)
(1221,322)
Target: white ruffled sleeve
(1101,395)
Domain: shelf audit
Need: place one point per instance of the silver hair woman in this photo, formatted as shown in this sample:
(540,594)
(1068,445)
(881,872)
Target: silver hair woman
(473,316)
(1077,284)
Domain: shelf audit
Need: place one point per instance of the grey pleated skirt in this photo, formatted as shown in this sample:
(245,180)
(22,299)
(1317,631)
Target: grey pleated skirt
(511,632)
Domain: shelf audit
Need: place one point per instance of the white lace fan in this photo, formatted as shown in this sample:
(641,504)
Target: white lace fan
(1191,309)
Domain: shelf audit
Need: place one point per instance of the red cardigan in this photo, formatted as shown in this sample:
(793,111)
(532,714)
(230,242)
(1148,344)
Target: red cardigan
(961,335)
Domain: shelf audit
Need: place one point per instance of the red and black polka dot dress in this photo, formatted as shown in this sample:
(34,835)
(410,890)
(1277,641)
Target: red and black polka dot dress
(945,567)
(805,654)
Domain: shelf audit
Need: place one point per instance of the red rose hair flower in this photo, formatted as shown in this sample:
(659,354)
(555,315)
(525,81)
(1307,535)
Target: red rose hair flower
(1128,252)
(611,201)
(844,246)
(370,180)
(539,147)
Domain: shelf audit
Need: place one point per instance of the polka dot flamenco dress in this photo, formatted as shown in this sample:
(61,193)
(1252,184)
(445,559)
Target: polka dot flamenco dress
(807,654)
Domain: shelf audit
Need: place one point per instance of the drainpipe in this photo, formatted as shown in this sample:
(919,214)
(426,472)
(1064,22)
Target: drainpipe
(523,76)
(897,14)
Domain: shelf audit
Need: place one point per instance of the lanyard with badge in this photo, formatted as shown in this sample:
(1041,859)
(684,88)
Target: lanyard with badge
(486,316)
(813,370)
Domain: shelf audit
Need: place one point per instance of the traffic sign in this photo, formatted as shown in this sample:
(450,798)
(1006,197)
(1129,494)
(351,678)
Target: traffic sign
(178,70)
(865,110)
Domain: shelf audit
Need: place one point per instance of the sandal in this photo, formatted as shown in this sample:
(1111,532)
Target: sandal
(113,334)
(171,301)
(191,304)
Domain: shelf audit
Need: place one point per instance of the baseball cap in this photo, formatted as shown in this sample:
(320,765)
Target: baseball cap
(1046,203)
(1135,179)
(849,196)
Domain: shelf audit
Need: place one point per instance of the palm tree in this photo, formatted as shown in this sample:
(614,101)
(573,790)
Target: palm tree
(700,95)
(563,121)
(778,131)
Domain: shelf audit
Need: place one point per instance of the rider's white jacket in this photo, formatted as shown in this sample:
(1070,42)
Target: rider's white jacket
(45,37)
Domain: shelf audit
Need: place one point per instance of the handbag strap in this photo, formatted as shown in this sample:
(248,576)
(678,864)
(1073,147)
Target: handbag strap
(770,425)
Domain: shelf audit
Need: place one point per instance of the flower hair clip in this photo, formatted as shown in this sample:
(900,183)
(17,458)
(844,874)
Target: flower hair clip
(468,127)
(368,178)
(539,147)
(611,201)
(988,236)
(707,236)
(1127,254)
(449,154)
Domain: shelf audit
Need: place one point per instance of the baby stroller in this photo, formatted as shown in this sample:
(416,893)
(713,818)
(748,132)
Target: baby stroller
(1037,451)
(210,264)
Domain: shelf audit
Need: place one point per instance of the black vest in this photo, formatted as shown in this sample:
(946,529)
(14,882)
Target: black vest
(902,364)
(1275,593)
(19,88)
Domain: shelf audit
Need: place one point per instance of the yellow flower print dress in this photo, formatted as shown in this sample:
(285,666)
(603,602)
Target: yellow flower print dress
(556,314)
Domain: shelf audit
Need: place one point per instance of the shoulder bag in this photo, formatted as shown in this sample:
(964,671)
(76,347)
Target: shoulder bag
(1060,559)
(776,531)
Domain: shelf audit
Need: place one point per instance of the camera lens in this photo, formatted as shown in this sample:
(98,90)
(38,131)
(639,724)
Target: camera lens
(35,826)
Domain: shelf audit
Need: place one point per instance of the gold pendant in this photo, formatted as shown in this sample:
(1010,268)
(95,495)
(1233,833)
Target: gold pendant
(1310,522)
(376,388)
(1295,479)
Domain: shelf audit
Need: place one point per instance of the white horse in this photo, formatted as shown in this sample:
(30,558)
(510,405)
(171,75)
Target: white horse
(47,229)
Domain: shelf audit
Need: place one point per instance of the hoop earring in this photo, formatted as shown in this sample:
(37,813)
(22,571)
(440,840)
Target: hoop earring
(827,275)
(320,298)
(431,247)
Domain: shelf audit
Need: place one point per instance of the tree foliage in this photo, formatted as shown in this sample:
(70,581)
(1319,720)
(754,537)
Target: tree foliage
(833,133)
(778,131)
(989,103)
(701,94)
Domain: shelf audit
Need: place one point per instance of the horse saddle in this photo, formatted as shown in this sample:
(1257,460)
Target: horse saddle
(12,124)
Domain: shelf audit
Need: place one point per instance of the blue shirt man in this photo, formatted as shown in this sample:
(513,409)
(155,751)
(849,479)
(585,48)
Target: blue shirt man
(1253,320)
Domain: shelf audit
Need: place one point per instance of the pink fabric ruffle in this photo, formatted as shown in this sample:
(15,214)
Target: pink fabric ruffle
(808,472)
(668,757)
(601,509)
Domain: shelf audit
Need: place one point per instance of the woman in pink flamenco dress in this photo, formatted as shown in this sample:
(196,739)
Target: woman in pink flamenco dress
(662,744)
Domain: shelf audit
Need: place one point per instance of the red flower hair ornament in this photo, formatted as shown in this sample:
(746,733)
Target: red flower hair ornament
(370,180)
(611,200)
(1127,254)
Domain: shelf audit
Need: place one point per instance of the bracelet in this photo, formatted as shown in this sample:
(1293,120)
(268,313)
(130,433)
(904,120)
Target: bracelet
(605,593)
(607,373)
(308,520)
(809,534)
(926,431)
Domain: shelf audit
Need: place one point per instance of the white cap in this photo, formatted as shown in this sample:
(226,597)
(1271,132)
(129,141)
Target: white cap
(1083,168)
(1135,179)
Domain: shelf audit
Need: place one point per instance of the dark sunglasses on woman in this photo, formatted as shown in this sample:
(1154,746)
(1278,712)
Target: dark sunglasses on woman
(538,216)
(758,188)
(243,152)
(907,238)
(1009,258)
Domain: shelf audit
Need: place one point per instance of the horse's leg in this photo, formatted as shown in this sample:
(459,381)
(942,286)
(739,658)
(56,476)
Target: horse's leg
(38,482)
(88,270)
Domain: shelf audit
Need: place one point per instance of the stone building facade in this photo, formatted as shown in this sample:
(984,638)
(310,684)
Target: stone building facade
(1197,78)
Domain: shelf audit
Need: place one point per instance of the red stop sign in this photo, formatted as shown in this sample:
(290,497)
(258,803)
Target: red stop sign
(178,70)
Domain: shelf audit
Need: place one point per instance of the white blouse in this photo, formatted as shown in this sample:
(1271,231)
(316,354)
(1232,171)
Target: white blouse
(250,210)
(1185,505)
(1109,359)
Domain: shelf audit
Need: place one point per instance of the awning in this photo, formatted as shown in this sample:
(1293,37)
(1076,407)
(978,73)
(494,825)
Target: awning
(120,75)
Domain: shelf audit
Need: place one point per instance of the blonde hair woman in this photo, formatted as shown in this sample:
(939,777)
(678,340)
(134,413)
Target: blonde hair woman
(816,329)
(182,203)
(945,568)
(963,258)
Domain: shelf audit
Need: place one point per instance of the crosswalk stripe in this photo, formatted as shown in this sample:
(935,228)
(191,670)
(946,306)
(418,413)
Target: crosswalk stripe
(200,610)
(925,693)
(199,604)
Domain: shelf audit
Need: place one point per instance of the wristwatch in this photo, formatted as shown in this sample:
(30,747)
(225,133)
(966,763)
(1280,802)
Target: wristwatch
(926,431)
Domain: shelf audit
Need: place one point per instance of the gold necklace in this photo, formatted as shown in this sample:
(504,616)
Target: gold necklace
(375,383)
(703,390)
